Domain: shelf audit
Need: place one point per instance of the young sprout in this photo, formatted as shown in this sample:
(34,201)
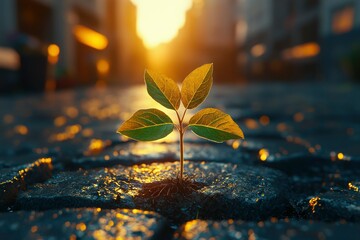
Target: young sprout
(153,124)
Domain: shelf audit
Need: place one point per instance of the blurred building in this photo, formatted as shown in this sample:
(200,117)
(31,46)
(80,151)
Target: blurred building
(282,38)
(256,50)
(296,39)
(340,32)
(91,40)
(127,53)
(35,24)
(207,36)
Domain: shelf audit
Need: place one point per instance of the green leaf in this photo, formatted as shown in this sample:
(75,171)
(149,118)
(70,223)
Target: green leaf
(196,86)
(215,125)
(147,125)
(162,89)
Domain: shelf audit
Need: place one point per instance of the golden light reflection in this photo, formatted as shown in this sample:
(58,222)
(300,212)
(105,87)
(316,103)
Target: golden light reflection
(73,129)
(34,229)
(251,234)
(87,132)
(313,202)
(263,154)
(90,37)
(251,123)
(96,146)
(340,156)
(151,173)
(281,127)
(69,133)
(40,162)
(149,148)
(159,20)
(258,50)
(21,129)
(81,226)
(59,121)
(298,117)
(236,144)
(353,187)
(264,120)
(72,112)
(194,226)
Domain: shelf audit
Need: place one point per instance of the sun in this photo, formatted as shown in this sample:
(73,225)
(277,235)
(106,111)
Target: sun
(158,21)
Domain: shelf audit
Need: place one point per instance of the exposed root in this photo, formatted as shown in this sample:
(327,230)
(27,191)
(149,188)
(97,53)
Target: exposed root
(170,187)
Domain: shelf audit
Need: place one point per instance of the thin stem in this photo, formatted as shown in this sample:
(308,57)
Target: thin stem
(183,116)
(179,119)
(181,132)
(181,155)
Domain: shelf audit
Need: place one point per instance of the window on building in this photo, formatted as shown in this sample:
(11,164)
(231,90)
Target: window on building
(343,20)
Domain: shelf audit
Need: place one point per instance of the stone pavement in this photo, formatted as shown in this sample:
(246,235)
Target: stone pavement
(66,174)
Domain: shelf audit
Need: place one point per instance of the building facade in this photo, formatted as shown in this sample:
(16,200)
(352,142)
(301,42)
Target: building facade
(277,33)
(300,39)
(96,39)
(340,39)
(209,35)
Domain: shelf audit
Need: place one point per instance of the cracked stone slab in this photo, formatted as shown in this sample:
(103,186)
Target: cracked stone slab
(333,205)
(306,164)
(229,191)
(274,229)
(321,178)
(83,224)
(226,191)
(12,180)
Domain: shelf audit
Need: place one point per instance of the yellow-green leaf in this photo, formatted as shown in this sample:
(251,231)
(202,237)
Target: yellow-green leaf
(162,89)
(215,125)
(196,86)
(147,125)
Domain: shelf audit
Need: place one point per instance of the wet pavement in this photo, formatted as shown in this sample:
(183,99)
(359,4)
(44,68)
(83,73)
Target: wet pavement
(65,173)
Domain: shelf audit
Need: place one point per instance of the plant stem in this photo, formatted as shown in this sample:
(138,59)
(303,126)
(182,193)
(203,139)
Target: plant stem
(181,153)
(182,119)
(181,142)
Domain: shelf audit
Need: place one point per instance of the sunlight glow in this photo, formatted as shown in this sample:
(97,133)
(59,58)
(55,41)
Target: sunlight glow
(53,50)
(90,37)
(103,66)
(306,50)
(263,154)
(158,21)
(53,53)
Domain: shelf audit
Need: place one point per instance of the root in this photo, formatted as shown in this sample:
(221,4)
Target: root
(169,188)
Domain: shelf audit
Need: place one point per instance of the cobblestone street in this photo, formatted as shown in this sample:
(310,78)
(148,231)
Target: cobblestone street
(66,173)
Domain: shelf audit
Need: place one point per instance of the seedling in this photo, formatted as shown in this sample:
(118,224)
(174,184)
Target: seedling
(153,124)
